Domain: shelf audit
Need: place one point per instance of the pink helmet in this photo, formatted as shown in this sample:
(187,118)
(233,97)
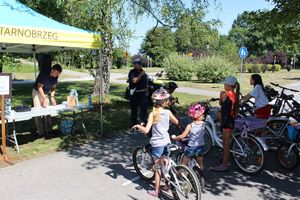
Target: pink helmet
(160,95)
(196,110)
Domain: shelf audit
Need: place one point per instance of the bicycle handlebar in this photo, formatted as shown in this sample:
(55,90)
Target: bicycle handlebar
(213,99)
(277,85)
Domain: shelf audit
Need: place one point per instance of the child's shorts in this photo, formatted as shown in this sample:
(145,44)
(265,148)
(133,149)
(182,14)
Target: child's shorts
(194,151)
(158,152)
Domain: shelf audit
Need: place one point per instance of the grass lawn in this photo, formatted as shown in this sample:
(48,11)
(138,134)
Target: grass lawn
(281,77)
(116,115)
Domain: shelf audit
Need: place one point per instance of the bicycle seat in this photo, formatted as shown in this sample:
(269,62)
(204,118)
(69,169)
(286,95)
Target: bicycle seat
(173,147)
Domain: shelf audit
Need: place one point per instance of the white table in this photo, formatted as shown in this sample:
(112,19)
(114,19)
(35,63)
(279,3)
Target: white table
(40,112)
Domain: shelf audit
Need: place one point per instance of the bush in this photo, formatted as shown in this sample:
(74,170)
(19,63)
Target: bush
(213,69)
(257,68)
(277,67)
(179,68)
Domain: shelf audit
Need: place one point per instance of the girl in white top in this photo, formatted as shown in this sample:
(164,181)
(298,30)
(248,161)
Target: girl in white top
(195,132)
(262,109)
(159,119)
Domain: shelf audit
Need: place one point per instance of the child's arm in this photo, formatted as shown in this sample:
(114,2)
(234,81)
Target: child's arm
(183,134)
(146,129)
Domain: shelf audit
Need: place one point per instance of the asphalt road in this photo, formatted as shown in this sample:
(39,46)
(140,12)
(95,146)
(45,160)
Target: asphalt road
(103,170)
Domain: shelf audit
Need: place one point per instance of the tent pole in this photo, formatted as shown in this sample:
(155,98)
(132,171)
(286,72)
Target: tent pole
(101,92)
(34,64)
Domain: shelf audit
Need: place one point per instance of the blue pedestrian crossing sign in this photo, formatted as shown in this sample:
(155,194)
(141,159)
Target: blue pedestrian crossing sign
(243,52)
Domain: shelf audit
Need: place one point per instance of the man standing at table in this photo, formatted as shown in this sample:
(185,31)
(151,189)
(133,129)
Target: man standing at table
(44,87)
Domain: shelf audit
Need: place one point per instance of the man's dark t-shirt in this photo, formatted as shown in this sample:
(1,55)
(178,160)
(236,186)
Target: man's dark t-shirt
(46,80)
(142,84)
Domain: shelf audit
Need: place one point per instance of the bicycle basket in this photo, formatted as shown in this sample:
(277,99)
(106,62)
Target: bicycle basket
(251,123)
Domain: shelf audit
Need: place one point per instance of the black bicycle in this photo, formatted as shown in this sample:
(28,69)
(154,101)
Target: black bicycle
(284,103)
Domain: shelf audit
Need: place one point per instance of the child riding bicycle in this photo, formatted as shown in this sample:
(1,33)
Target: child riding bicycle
(159,120)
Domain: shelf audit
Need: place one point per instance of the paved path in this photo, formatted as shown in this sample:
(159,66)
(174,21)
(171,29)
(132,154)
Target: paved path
(103,170)
(121,79)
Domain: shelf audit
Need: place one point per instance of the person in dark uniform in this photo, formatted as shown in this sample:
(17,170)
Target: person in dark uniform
(137,80)
(44,85)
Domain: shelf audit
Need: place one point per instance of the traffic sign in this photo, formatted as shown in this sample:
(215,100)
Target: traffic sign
(243,52)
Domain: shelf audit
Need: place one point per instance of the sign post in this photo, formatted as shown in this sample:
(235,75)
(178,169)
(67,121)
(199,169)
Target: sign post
(243,54)
(5,91)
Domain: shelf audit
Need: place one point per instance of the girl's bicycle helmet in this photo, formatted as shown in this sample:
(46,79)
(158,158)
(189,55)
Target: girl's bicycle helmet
(196,110)
(160,96)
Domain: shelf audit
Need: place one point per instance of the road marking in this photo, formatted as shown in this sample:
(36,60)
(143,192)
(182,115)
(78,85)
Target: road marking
(131,181)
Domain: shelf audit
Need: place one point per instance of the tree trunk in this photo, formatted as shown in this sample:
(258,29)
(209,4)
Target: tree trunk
(105,58)
(104,61)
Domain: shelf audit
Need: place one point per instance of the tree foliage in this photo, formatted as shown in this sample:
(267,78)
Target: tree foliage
(158,44)
(110,18)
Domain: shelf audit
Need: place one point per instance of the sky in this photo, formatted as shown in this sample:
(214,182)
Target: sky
(227,14)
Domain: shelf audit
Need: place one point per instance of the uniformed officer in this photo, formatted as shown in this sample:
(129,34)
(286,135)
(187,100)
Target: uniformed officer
(137,79)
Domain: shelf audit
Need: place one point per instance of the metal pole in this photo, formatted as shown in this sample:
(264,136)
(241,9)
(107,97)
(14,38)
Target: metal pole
(4,157)
(241,66)
(101,93)
(34,64)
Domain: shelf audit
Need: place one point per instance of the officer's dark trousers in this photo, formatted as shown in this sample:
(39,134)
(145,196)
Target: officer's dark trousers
(138,99)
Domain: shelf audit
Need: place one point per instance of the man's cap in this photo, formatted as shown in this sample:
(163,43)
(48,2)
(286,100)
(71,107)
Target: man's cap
(230,80)
(137,61)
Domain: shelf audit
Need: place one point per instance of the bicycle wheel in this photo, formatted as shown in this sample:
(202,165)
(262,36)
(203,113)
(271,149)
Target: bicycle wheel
(287,161)
(184,183)
(207,141)
(143,163)
(247,154)
(200,177)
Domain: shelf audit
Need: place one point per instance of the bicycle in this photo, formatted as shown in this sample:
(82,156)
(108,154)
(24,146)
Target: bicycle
(193,165)
(284,102)
(179,178)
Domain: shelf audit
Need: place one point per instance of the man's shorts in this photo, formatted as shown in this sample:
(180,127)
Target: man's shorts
(194,151)
(158,152)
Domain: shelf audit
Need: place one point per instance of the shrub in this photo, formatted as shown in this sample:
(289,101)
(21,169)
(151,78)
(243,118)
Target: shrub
(213,69)
(270,66)
(179,68)
(257,68)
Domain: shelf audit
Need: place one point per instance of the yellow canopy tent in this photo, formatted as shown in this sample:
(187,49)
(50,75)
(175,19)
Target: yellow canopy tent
(22,30)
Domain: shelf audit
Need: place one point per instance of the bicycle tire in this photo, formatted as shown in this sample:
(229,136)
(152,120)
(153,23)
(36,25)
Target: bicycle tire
(254,159)
(200,177)
(287,162)
(188,183)
(208,144)
(144,170)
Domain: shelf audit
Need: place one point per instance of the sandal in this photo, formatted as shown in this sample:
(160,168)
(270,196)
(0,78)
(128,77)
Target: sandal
(153,193)
(166,188)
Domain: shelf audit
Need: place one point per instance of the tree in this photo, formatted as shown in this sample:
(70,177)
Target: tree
(283,18)
(158,44)
(247,31)
(98,15)
(195,34)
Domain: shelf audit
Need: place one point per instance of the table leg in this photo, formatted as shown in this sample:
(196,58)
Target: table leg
(15,137)
(73,125)
(82,123)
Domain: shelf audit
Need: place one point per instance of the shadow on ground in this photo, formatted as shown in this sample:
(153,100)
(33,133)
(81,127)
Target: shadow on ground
(116,150)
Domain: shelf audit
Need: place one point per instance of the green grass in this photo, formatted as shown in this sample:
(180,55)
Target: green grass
(116,115)
(23,68)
